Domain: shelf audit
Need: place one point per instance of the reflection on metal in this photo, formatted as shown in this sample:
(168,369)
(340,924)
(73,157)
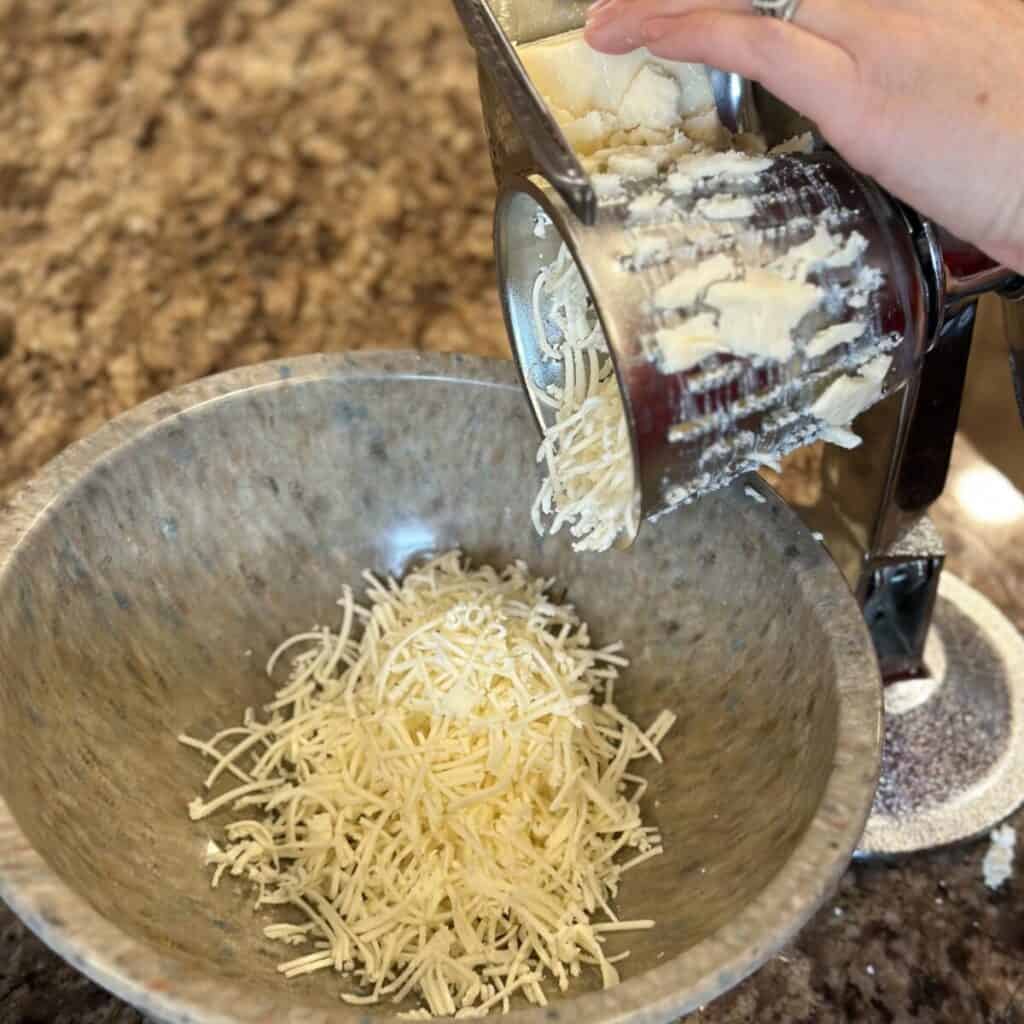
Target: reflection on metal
(989,497)
(898,608)
(734,101)
(873,502)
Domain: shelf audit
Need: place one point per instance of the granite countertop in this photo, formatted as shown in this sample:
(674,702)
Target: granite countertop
(192,185)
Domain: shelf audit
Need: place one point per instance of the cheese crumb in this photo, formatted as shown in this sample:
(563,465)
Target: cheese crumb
(723,206)
(688,344)
(803,143)
(997,867)
(831,337)
(686,288)
(632,165)
(809,255)
(846,398)
(606,185)
(445,803)
(758,315)
(648,251)
(731,166)
(645,206)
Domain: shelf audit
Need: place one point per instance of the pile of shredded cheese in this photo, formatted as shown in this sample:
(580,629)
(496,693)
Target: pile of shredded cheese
(442,794)
(586,448)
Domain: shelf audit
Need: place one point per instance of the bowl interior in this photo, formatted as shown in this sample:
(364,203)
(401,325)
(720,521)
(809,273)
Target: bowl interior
(146,599)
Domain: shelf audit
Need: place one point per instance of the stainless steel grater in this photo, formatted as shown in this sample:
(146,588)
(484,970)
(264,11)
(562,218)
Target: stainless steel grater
(696,430)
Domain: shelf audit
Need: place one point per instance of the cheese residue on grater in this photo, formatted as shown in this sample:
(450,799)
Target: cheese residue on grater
(442,798)
(589,485)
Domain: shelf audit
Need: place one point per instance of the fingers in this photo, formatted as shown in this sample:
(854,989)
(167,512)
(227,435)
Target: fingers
(810,74)
(617,26)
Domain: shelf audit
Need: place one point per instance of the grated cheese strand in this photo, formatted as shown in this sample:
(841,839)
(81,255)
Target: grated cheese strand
(441,806)
(586,446)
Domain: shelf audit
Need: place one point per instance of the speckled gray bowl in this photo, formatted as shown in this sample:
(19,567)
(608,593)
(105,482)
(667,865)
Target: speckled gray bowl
(147,572)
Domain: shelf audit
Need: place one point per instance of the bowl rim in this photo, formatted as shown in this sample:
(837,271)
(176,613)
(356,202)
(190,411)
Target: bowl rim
(173,992)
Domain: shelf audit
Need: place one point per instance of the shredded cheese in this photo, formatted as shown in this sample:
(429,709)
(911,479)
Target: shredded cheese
(441,797)
(586,448)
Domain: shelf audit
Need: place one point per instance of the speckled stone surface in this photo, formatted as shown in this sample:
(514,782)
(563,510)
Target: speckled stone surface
(191,185)
(187,186)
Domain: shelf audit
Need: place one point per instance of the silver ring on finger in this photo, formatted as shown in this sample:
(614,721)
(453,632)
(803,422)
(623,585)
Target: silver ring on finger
(784,10)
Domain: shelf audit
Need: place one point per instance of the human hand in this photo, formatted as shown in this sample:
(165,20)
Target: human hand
(925,96)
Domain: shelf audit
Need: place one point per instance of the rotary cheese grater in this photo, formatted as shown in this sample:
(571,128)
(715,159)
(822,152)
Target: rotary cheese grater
(914,289)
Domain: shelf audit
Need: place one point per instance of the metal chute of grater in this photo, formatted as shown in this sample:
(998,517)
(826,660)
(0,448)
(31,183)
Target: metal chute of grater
(750,305)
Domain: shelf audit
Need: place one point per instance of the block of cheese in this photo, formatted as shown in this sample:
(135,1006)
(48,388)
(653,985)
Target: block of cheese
(601,99)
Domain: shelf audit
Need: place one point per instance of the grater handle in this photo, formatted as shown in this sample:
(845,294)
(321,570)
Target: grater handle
(537,129)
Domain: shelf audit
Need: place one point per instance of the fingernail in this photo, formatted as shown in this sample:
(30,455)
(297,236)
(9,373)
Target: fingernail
(600,5)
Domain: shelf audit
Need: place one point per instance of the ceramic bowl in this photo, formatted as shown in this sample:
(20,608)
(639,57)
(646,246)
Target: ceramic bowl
(147,573)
